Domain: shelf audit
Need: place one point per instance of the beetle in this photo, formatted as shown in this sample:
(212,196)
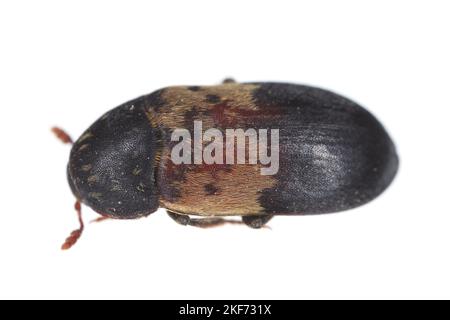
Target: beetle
(333,155)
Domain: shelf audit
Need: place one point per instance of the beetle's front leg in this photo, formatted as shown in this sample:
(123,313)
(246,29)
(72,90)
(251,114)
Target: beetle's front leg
(186,220)
(179,218)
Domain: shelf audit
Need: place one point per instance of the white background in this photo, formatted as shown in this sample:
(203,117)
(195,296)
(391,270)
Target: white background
(66,63)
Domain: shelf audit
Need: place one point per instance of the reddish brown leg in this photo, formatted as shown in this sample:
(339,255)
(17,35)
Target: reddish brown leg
(76,234)
(62,135)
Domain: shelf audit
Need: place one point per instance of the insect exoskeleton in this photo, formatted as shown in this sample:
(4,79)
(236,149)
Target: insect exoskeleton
(253,150)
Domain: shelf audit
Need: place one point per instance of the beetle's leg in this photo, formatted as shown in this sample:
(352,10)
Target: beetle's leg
(185,220)
(211,222)
(62,135)
(257,222)
(76,234)
(179,218)
(228,80)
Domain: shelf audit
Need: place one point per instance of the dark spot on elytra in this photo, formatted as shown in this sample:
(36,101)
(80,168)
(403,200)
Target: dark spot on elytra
(218,114)
(212,98)
(154,101)
(174,175)
(194,88)
(191,114)
(211,189)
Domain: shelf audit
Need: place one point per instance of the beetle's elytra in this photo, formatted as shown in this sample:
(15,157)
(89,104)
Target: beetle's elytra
(333,156)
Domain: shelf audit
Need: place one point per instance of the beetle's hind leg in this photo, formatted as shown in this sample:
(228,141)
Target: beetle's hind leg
(186,220)
(257,222)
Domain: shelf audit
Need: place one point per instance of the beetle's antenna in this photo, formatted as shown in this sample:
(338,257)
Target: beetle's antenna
(62,135)
(76,234)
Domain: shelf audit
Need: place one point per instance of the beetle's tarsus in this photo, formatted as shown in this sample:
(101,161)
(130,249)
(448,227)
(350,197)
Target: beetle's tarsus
(76,234)
(228,80)
(257,222)
(62,135)
(179,218)
(204,223)
(211,222)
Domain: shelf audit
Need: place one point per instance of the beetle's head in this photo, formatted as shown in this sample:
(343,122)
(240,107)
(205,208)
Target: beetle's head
(112,165)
